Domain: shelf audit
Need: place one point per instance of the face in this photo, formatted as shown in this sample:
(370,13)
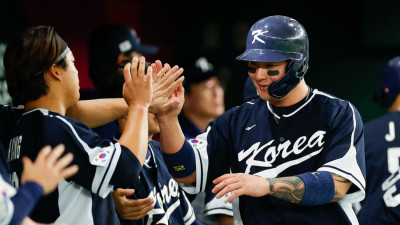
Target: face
(206,99)
(71,79)
(263,74)
(154,128)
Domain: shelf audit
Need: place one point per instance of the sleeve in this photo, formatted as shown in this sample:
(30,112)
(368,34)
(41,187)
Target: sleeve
(25,200)
(211,155)
(99,160)
(214,206)
(344,152)
(6,205)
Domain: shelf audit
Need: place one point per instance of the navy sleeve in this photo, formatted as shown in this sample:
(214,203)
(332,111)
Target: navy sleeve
(128,166)
(24,201)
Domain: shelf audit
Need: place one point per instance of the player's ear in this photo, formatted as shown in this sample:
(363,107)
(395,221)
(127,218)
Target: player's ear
(54,72)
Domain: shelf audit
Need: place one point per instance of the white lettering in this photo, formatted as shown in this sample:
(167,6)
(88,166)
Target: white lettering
(14,149)
(389,137)
(168,193)
(283,150)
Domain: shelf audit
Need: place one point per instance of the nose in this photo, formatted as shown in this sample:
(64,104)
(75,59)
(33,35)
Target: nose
(261,73)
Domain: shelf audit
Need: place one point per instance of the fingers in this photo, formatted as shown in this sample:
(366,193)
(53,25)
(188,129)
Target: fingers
(139,209)
(127,72)
(223,177)
(141,72)
(27,163)
(234,195)
(125,192)
(70,171)
(64,161)
(55,154)
(228,188)
(44,152)
(158,65)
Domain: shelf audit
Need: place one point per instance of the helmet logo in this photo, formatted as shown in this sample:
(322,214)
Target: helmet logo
(257,33)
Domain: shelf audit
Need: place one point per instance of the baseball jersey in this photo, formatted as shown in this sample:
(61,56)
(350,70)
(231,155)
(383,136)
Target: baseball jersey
(8,120)
(102,165)
(382,153)
(205,205)
(170,203)
(320,133)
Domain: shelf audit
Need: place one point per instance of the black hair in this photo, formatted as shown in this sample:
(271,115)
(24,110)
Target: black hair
(31,52)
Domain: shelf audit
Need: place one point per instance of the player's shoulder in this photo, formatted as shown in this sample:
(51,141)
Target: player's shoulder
(245,107)
(392,116)
(52,121)
(329,99)
(332,103)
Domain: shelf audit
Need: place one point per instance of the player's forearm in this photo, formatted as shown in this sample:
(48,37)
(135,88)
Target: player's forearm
(326,188)
(135,135)
(290,189)
(171,135)
(98,112)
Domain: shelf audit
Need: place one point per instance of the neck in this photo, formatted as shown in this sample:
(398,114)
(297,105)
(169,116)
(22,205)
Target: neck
(49,102)
(395,105)
(198,120)
(294,96)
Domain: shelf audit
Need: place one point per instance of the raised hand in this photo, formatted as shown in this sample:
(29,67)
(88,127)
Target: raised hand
(137,90)
(49,168)
(165,82)
(131,209)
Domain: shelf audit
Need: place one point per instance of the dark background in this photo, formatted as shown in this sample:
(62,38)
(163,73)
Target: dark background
(350,41)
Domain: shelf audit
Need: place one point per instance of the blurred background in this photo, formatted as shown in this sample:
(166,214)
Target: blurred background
(350,41)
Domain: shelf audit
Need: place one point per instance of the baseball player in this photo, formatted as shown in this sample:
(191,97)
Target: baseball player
(169,202)
(296,153)
(382,200)
(41,75)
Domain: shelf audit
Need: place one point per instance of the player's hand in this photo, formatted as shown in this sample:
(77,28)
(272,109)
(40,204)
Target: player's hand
(131,209)
(49,168)
(240,184)
(165,82)
(174,105)
(137,89)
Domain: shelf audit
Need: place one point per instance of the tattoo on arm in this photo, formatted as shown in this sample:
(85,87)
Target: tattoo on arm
(290,189)
(338,195)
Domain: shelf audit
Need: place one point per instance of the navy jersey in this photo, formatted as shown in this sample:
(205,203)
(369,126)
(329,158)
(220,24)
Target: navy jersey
(205,205)
(323,133)
(382,154)
(170,203)
(102,165)
(8,120)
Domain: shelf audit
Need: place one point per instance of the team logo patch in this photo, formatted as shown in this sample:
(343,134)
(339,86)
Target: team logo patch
(102,156)
(194,141)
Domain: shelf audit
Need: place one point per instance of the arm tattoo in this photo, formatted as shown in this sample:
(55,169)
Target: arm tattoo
(290,189)
(342,180)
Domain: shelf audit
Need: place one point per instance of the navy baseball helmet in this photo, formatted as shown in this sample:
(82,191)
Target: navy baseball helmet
(389,86)
(279,38)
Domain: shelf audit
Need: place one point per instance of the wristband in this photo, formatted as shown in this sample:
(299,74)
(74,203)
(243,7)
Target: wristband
(319,188)
(182,163)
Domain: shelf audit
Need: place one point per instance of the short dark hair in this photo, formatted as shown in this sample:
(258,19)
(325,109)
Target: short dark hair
(114,81)
(31,52)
